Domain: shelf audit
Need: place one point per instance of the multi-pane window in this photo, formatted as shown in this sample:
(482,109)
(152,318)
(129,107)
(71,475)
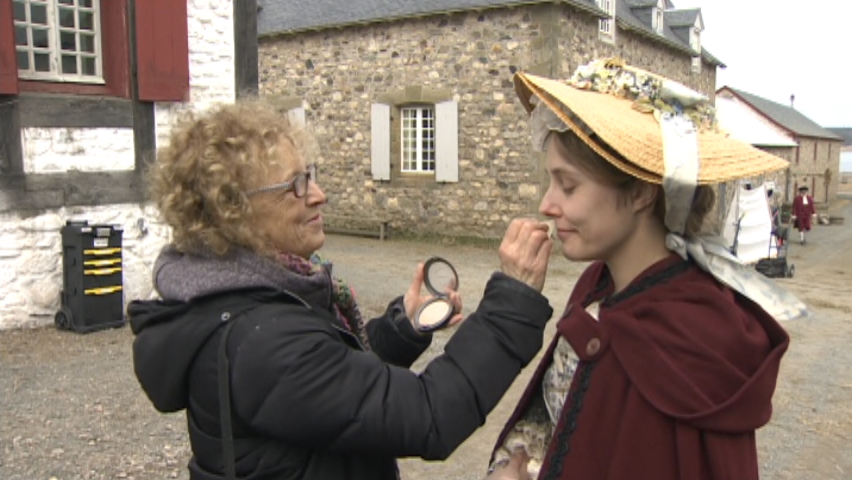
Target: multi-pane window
(418,139)
(695,39)
(58,40)
(606,25)
(659,15)
(696,64)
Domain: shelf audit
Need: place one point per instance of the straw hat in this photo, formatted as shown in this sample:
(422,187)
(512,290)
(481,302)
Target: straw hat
(613,108)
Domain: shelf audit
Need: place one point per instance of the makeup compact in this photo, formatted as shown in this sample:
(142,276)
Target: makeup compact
(440,277)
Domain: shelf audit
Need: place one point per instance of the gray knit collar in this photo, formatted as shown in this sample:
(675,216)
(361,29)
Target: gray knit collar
(183,277)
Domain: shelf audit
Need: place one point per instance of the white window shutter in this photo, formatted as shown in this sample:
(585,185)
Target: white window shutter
(297,116)
(380,137)
(447,141)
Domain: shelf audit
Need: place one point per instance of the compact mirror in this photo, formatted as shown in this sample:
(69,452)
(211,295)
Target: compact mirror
(440,278)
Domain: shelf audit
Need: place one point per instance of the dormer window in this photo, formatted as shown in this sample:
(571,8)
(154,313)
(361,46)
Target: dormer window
(695,39)
(657,15)
(606,26)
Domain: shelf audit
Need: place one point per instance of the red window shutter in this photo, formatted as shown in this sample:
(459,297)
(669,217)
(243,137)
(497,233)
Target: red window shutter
(8,61)
(162,50)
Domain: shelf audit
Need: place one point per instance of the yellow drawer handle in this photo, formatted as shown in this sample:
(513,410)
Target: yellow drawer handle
(102,263)
(101,251)
(102,290)
(102,271)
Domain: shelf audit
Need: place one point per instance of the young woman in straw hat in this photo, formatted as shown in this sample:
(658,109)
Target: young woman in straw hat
(665,358)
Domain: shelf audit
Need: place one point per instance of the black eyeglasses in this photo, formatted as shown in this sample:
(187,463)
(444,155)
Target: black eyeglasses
(299,183)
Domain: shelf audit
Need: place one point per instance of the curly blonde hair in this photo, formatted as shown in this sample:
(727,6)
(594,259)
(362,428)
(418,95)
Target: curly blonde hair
(199,180)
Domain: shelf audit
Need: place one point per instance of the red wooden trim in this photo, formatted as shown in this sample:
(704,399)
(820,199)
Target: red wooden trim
(70,88)
(8,60)
(162,50)
(115,44)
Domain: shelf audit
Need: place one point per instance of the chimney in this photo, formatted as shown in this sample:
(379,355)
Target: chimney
(792,99)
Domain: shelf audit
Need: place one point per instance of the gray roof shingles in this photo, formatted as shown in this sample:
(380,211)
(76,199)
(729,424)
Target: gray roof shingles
(286,16)
(844,133)
(785,116)
(641,3)
(682,18)
(627,19)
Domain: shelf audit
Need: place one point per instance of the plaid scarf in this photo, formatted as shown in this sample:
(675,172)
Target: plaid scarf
(343,300)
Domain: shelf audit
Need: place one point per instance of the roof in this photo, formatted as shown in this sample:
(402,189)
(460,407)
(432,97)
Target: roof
(682,18)
(641,3)
(786,117)
(744,124)
(627,16)
(844,133)
(281,16)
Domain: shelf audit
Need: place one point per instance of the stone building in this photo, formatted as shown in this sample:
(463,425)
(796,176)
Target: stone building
(742,122)
(77,126)
(845,152)
(413,102)
(814,158)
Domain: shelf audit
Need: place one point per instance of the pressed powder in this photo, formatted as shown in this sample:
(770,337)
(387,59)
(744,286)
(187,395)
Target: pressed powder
(441,279)
(551,228)
(434,313)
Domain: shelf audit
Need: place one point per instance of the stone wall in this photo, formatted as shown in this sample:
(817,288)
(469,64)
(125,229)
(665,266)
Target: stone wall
(817,165)
(337,74)
(48,150)
(30,242)
(579,44)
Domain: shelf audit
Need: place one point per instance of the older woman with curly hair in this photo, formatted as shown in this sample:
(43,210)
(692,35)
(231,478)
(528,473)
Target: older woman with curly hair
(267,351)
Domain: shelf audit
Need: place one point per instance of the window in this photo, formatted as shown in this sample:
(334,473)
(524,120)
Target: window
(418,139)
(82,47)
(58,40)
(414,136)
(657,19)
(696,64)
(695,39)
(606,25)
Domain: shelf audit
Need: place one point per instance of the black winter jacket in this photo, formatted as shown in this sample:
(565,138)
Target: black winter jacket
(307,401)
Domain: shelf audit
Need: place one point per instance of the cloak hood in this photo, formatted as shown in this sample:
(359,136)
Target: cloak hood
(693,348)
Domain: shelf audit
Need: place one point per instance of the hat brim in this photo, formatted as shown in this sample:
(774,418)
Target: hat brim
(635,136)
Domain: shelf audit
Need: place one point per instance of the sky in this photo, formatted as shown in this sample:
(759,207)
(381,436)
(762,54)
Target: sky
(775,48)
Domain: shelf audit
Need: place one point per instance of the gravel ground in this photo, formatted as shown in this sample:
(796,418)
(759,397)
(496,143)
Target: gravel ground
(72,409)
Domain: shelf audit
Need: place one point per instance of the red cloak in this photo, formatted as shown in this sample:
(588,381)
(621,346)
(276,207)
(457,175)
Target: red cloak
(672,382)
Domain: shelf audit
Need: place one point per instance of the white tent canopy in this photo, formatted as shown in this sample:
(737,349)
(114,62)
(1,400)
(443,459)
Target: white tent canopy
(748,225)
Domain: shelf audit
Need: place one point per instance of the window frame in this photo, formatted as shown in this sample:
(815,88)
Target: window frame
(55,50)
(386,136)
(115,63)
(420,129)
(695,39)
(606,26)
(658,15)
(696,64)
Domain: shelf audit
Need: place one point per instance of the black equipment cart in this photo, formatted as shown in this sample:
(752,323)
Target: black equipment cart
(92,296)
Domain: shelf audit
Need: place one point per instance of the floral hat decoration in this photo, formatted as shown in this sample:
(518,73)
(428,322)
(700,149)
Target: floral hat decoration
(662,132)
(624,126)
